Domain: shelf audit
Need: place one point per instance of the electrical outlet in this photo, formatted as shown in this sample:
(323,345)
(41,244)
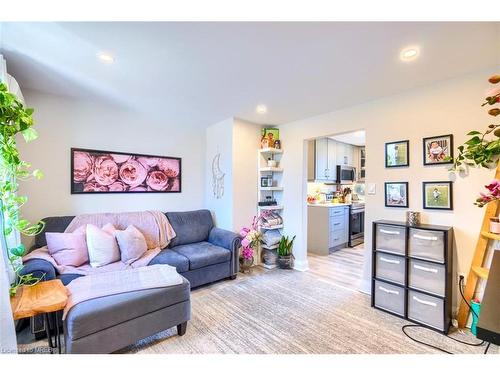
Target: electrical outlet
(459,276)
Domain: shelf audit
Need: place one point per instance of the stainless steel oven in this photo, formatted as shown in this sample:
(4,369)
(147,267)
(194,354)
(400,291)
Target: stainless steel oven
(356,224)
(346,174)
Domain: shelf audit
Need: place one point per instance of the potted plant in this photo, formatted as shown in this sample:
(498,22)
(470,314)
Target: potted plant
(15,119)
(285,256)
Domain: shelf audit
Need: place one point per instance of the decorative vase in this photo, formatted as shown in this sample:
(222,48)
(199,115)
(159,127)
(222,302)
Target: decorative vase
(285,261)
(245,264)
(413,218)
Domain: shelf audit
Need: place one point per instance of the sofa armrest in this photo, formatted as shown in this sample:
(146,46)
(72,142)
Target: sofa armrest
(228,240)
(39,268)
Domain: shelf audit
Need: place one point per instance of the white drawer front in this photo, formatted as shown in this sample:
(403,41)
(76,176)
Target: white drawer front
(391,238)
(390,297)
(429,277)
(390,267)
(337,223)
(426,309)
(426,244)
(337,238)
(336,211)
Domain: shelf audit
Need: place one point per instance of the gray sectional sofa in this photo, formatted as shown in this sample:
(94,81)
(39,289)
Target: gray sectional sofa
(200,252)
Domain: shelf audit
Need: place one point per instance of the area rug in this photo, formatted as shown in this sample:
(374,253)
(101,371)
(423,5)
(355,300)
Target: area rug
(290,312)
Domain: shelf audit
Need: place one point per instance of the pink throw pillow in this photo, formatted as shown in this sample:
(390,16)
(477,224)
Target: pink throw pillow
(132,244)
(68,249)
(102,246)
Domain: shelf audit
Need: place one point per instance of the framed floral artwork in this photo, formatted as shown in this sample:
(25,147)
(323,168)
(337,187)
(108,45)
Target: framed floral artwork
(95,171)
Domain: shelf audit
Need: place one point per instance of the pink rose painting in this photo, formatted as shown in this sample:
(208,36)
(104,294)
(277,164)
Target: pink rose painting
(115,172)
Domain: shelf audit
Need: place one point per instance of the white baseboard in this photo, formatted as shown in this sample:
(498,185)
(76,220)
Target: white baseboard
(365,287)
(301,265)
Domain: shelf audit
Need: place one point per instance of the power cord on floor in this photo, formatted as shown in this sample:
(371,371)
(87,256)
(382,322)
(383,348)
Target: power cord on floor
(452,338)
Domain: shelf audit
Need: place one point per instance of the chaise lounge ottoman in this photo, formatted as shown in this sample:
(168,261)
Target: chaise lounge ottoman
(107,324)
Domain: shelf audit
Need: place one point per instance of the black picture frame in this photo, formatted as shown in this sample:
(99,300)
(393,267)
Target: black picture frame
(437,137)
(74,190)
(405,184)
(407,163)
(450,194)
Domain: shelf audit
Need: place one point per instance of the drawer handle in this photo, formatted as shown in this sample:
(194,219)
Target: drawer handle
(389,231)
(420,237)
(390,291)
(426,269)
(386,260)
(424,302)
(336,223)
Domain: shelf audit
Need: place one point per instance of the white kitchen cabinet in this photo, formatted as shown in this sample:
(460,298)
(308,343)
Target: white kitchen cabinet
(321,165)
(325,165)
(327,228)
(345,154)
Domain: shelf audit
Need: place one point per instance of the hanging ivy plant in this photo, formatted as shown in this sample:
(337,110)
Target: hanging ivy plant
(15,119)
(483,148)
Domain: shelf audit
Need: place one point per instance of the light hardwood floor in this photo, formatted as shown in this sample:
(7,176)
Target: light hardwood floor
(343,267)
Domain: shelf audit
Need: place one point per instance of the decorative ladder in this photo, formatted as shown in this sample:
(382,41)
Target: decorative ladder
(477,271)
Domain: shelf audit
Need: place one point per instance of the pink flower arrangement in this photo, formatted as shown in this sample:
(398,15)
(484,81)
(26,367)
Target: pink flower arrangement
(247,253)
(492,194)
(251,239)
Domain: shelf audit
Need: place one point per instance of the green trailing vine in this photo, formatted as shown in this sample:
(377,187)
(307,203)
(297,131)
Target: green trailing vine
(483,148)
(15,119)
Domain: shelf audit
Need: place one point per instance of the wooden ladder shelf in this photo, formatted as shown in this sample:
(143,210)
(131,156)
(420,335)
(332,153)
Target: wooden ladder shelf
(477,271)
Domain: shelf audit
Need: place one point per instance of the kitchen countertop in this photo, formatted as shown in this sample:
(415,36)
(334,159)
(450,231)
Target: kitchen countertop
(328,204)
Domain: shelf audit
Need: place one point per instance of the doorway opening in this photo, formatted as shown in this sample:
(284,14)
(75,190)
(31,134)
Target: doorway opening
(336,170)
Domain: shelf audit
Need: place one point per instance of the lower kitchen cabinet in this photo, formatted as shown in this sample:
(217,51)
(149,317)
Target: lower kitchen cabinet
(327,228)
(412,272)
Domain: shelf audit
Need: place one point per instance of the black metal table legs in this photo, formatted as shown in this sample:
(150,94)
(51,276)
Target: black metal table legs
(57,339)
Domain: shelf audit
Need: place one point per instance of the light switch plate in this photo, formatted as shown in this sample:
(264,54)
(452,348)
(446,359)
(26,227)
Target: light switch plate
(371,188)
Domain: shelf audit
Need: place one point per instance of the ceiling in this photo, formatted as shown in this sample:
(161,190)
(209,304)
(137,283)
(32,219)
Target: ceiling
(357,138)
(196,74)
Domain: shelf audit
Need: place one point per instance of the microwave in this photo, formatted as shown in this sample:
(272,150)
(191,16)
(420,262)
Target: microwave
(346,174)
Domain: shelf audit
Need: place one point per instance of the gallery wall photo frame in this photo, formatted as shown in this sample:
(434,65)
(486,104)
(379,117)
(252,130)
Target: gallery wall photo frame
(396,194)
(437,150)
(101,172)
(397,154)
(437,195)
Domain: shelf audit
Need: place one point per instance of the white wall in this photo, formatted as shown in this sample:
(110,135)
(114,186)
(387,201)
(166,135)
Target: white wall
(246,142)
(237,141)
(219,140)
(63,123)
(451,106)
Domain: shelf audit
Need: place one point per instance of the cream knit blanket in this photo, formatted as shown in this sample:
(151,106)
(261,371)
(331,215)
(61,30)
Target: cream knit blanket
(154,225)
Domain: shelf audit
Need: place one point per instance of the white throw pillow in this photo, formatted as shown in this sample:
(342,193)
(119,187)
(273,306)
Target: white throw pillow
(102,245)
(132,244)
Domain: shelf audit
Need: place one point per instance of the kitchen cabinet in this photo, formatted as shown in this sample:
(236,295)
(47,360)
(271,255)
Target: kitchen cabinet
(344,154)
(327,228)
(324,154)
(325,160)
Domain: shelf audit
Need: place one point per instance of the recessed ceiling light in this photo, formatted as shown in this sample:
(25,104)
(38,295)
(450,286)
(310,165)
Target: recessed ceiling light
(409,54)
(261,109)
(105,57)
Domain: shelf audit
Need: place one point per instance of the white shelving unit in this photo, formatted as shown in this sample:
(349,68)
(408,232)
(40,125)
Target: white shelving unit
(275,192)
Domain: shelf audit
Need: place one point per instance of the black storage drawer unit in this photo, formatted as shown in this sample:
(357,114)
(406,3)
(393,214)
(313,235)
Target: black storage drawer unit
(412,272)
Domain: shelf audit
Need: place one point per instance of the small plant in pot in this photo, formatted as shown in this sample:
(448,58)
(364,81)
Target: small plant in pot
(285,256)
